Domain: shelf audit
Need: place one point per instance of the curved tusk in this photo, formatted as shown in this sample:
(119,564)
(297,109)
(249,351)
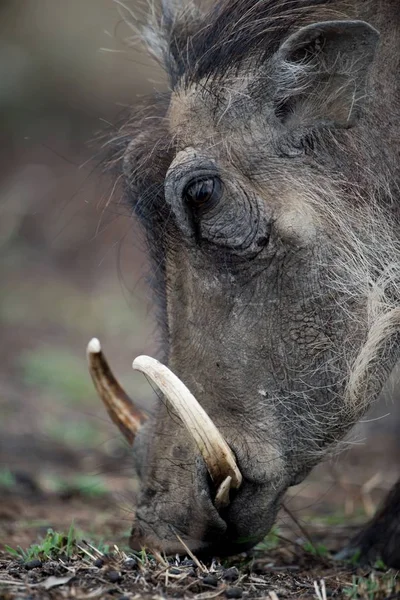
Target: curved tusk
(222,495)
(219,458)
(119,406)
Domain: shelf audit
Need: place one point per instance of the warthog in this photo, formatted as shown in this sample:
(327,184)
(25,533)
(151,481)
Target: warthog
(267,182)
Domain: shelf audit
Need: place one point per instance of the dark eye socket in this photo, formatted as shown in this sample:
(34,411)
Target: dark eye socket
(202,193)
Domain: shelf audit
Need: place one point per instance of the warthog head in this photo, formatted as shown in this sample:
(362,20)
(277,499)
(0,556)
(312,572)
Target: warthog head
(264,187)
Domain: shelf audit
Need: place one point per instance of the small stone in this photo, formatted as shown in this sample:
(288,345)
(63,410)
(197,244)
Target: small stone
(114,576)
(191,573)
(187,562)
(99,562)
(231,574)
(234,592)
(210,580)
(130,564)
(33,564)
(124,598)
(175,571)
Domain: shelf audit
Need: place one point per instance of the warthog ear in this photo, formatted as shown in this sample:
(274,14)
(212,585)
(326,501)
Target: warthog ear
(322,72)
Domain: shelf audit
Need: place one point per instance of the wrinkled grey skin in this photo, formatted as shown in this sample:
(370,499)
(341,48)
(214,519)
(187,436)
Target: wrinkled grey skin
(265,317)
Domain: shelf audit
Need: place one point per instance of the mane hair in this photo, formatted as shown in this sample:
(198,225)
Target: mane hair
(194,47)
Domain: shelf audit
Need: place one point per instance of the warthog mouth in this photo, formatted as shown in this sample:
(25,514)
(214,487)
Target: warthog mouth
(218,456)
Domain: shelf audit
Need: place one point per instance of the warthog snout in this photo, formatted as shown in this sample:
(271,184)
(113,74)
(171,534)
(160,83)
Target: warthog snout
(218,480)
(199,525)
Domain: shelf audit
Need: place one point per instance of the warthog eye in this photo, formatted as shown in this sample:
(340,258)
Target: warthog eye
(203,193)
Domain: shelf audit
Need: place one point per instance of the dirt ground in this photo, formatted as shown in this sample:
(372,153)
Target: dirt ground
(322,514)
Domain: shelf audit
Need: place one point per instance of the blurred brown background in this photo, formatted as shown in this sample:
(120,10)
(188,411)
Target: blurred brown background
(72,263)
(72,260)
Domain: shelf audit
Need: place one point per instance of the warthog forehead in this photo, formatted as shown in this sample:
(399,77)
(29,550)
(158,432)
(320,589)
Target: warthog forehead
(197,110)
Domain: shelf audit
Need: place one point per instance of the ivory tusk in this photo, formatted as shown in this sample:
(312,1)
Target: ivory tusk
(222,495)
(119,406)
(219,458)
